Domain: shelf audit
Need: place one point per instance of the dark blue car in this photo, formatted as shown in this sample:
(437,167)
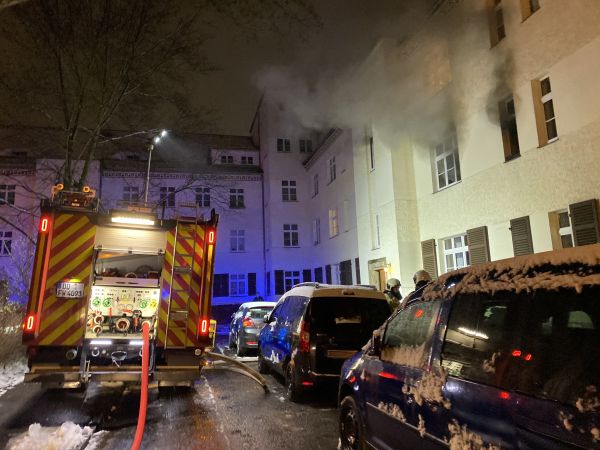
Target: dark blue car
(504,355)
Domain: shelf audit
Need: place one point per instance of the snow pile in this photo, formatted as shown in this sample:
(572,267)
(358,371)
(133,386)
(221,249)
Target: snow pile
(11,374)
(393,410)
(429,388)
(463,439)
(590,401)
(489,365)
(68,436)
(421,427)
(566,419)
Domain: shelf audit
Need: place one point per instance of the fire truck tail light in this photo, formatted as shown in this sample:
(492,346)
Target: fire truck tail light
(44,224)
(211,237)
(86,189)
(29,323)
(203,326)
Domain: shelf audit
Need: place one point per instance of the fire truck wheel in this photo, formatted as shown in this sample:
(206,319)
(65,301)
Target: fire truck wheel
(262,364)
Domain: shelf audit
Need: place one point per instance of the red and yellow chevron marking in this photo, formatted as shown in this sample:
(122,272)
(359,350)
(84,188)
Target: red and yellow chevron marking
(62,321)
(208,279)
(181,291)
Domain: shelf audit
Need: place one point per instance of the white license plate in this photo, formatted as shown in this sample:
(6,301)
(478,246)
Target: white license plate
(69,290)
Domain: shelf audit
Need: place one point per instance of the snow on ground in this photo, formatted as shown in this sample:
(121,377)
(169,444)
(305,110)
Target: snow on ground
(11,374)
(68,436)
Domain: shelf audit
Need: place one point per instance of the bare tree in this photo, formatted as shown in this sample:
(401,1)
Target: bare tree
(84,66)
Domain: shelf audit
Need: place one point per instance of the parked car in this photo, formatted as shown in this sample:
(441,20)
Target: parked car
(499,355)
(314,328)
(245,325)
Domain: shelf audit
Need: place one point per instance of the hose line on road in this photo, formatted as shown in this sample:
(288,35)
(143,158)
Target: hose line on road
(139,432)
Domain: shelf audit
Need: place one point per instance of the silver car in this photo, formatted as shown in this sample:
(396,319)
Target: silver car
(246,323)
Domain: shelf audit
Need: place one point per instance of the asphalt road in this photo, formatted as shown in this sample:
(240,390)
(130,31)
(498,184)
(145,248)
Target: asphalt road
(224,411)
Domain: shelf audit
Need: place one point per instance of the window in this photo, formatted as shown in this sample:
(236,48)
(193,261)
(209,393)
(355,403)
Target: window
(221,285)
(317,231)
(167,196)
(528,7)
(508,125)
(406,335)
(561,229)
(5,243)
(548,104)
(131,193)
(371,154)
(315,184)
(7,194)
(290,235)
(236,198)
(319,274)
(456,252)
(446,163)
(283,145)
(237,284)
(377,240)
(226,159)
(345,272)
(203,197)
(291,278)
(288,191)
(496,21)
(305,145)
(237,240)
(248,160)
(334,228)
(331,164)
(268,283)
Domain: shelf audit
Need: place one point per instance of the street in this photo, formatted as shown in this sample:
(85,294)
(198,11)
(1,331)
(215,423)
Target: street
(224,411)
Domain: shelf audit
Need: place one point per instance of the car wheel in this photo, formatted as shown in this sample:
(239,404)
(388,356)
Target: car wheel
(293,390)
(262,364)
(352,435)
(239,349)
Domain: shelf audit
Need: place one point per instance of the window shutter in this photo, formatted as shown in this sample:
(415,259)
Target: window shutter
(538,108)
(319,274)
(279,286)
(584,221)
(346,272)
(251,283)
(221,285)
(429,257)
(520,230)
(479,249)
(357,269)
(328,274)
(306,275)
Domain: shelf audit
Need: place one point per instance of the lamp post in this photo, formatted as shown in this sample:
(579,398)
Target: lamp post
(156,140)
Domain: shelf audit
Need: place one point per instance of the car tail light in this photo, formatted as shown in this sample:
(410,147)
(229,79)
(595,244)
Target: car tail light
(248,322)
(304,341)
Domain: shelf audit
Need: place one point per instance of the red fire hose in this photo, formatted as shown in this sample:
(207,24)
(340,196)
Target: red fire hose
(139,432)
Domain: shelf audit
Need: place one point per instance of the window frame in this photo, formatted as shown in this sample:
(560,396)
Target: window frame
(237,241)
(8,194)
(289,191)
(315,185)
(291,235)
(283,145)
(548,97)
(334,225)
(316,231)
(202,195)
(464,250)
(290,275)
(305,145)
(237,280)
(331,164)
(168,193)
(6,239)
(443,157)
(237,198)
(131,193)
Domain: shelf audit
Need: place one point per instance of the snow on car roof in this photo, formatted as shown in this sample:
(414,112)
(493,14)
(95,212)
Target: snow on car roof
(257,304)
(568,268)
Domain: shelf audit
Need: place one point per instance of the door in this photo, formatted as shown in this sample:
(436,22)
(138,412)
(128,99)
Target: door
(268,335)
(391,396)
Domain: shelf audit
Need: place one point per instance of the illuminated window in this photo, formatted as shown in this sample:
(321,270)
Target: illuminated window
(456,252)
(446,163)
(203,197)
(5,243)
(290,235)
(7,194)
(131,193)
(288,191)
(305,145)
(237,240)
(334,227)
(291,278)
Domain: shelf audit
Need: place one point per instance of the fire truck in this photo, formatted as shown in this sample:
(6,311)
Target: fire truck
(98,277)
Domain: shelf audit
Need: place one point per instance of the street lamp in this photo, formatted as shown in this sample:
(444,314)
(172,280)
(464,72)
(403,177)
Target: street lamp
(155,141)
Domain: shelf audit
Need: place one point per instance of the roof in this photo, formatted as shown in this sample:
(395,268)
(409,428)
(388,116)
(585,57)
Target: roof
(572,268)
(257,304)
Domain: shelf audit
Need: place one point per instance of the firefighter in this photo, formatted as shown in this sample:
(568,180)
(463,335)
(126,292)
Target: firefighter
(392,293)
(420,278)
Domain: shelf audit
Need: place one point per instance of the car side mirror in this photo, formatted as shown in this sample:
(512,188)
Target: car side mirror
(267,318)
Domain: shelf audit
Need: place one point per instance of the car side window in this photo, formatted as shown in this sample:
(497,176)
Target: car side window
(407,335)
(297,311)
(276,314)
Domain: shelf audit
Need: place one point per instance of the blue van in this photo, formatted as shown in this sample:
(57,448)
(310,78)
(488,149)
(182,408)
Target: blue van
(500,355)
(313,328)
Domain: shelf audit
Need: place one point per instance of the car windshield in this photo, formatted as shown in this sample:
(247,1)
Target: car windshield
(258,313)
(348,318)
(542,343)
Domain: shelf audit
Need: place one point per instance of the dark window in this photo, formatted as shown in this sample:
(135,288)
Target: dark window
(291,278)
(236,198)
(221,285)
(5,243)
(283,145)
(251,283)
(226,159)
(328,278)
(357,269)
(288,191)
(290,235)
(346,272)
(305,145)
(203,197)
(167,196)
(7,194)
(279,288)
(371,153)
(306,275)
(319,274)
(268,282)
(508,125)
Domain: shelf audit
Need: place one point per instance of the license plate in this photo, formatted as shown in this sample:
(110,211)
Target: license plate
(69,290)
(340,354)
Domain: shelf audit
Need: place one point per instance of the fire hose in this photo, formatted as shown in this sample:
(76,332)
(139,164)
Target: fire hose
(139,432)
